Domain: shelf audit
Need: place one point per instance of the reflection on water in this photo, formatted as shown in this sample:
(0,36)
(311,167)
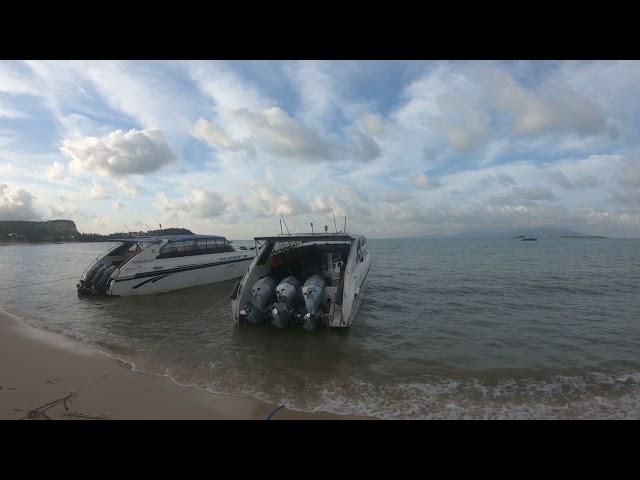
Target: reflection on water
(447,329)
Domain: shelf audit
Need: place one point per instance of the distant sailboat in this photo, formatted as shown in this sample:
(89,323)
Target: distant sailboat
(528,237)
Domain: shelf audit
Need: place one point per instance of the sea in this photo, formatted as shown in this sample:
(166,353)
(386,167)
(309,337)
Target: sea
(448,329)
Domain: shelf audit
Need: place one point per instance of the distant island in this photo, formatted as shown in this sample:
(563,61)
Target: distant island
(22,231)
(580,236)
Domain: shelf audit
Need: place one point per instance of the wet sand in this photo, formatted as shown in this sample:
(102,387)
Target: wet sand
(37,367)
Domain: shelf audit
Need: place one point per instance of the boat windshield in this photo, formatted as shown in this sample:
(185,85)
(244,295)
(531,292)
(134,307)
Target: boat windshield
(199,246)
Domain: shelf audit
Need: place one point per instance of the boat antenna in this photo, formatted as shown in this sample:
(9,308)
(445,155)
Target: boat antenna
(311,228)
(345,224)
(281,232)
(285,224)
(334,221)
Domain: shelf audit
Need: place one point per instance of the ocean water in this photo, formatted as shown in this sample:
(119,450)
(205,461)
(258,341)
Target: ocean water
(447,329)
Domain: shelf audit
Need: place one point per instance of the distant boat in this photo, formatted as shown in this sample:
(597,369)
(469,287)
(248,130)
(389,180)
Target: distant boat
(528,237)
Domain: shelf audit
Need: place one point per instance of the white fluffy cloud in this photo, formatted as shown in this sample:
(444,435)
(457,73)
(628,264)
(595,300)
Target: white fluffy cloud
(119,153)
(56,172)
(275,132)
(199,204)
(16,204)
(266,201)
(464,124)
(282,135)
(552,107)
(97,192)
(468,104)
(215,136)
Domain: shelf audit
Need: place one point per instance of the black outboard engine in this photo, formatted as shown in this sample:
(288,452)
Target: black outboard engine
(94,274)
(263,293)
(313,294)
(287,292)
(91,273)
(100,285)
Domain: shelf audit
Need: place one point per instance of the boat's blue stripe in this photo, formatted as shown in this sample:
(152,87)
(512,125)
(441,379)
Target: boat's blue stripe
(185,268)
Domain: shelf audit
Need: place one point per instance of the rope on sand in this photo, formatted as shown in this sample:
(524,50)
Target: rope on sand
(276,410)
(39,413)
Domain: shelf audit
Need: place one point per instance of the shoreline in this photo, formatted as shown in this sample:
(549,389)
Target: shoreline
(37,367)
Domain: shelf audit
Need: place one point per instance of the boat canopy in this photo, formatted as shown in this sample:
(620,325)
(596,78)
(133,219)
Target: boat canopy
(171,238)
(308,237)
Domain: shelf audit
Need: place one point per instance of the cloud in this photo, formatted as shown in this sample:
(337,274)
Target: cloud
(264,201)
(120,153)
(363,147)
(465,125)
(97,192)
(128,189)
(353,193)
(458,136)
(373,124)
(6,168)
(117,205)
(586,181)
(469,103)
(533,193)
(7,111)
(276,133)
(228,90)
(217,137)
(392,196)
(552,107)
(282,135)
(424,182)
(503,179)
(15,78)
(55,173)
(199,204)
(16,204)
(629,175)
(318,91)
(561,179)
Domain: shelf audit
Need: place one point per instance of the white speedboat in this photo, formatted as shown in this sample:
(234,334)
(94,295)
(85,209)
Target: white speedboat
(149,265)
(310,280)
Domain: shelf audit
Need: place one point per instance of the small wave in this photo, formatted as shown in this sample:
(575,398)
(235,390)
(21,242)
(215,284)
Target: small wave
(598,395)
(594,395)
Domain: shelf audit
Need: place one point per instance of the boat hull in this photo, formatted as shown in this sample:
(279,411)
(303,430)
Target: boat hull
(177,278)
(343,294)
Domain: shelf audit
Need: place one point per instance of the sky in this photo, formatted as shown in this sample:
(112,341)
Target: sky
(401,148)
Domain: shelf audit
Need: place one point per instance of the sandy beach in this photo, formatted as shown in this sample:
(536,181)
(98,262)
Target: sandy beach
(37,367)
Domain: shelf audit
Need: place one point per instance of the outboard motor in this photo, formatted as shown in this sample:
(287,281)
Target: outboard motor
(88,278)
(100,285)
(313,294)
(262,294)
(283,309)
(93,276)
